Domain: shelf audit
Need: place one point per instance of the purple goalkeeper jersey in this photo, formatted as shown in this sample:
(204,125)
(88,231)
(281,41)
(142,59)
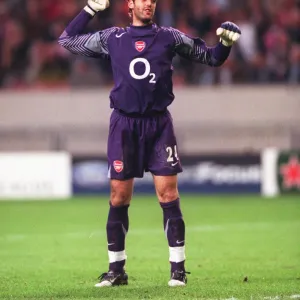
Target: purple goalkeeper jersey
(141,59)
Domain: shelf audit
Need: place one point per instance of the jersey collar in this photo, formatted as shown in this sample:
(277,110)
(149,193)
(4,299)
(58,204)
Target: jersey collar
(142,30)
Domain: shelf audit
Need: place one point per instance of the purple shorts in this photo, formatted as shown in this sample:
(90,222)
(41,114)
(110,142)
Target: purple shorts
(137,145)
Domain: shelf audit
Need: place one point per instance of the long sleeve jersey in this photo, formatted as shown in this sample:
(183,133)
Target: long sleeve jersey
(141,59)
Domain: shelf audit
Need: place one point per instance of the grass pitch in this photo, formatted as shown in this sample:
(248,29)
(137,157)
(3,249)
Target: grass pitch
(237,248)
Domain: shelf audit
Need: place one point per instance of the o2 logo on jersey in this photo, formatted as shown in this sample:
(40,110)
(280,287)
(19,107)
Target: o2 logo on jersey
(147,72)
(140,46)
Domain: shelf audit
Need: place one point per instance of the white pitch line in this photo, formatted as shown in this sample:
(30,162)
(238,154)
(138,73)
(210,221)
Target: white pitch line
(148,231)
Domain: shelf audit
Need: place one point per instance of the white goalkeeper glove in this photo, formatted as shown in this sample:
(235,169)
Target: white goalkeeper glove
(93,6)
(229,33)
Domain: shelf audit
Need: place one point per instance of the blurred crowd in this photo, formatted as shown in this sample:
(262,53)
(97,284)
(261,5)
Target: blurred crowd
(267,52)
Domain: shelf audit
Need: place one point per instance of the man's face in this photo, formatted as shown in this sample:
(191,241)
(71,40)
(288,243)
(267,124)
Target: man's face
(142,10)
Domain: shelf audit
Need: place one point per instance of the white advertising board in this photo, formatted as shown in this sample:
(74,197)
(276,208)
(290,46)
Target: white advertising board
(35,175)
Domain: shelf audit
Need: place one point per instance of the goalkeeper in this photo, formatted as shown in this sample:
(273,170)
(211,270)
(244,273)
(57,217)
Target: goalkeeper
(141,134)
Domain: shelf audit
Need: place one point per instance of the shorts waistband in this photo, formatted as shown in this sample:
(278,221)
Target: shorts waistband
(145,115)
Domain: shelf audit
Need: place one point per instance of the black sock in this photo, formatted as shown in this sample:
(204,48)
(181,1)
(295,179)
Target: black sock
(175,232)
(116,229)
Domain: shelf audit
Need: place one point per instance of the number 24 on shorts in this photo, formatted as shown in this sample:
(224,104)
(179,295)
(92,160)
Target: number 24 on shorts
(172,153)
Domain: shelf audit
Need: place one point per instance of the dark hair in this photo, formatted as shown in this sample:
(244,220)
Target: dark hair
(130,11)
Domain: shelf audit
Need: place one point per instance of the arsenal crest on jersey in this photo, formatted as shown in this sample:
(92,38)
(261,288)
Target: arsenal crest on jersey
(140,46)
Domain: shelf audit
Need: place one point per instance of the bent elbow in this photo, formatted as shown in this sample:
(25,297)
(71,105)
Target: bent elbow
(62,44)
(62,39)
(65,43)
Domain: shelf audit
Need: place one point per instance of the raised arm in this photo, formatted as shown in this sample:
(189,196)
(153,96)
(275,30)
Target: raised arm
(195,49)
(91,44)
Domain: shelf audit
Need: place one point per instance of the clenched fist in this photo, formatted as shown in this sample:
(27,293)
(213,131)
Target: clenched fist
(229,33)
(93,6)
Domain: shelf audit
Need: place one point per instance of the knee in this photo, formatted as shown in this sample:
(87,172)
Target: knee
(120,194)
(119,198)
(167,194)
